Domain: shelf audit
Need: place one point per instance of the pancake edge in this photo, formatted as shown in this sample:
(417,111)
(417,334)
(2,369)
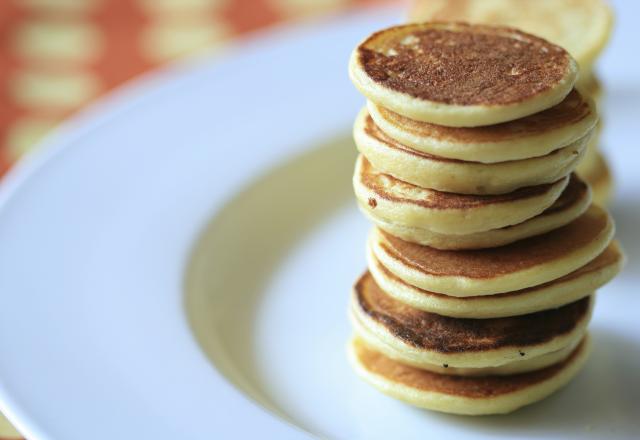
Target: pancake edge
(555,295)
(448,403)
(461,286)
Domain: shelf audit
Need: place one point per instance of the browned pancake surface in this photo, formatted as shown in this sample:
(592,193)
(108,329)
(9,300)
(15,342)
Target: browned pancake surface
(429,331)
(610,256)
(380,183)
(465,386)
(492,262)
(573,109)
(372,130)
(463,64)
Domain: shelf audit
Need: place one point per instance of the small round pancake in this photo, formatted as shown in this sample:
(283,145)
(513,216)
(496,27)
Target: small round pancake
(422,338)
(555,293)
(572,203)
(462,394)
(517,366)
(516,266)
(582,27)
(393,200)
(532,136)
(461,75)
(598,175)
(457,176)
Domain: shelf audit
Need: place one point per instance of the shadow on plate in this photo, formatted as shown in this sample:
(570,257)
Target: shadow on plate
(603,400)
(245,242)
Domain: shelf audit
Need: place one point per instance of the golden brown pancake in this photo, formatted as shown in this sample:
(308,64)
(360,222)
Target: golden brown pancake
(552,294)
(421,337)
(462,176)
(463,394)
(515,266)
(461,75)
(572,203)
(531,136)
(396,201)
(516,366)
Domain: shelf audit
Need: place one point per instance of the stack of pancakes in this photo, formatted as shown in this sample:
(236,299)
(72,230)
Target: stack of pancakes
(487,250)
(582,27)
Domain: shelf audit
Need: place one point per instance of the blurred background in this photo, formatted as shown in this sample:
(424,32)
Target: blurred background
(56,56)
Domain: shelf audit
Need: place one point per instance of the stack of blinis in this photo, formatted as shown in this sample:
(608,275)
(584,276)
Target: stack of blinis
(582,27)
(486,249)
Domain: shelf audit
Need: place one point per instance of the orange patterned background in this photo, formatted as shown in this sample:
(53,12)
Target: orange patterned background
(58,55)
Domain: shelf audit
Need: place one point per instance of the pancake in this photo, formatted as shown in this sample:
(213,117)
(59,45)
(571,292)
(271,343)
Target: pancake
(459,394)
(516,266)
(573,202)
(393,200)
(457,176)
(600,178)
(582,27)
(535,135)
(461,75)
(555,293)
(589,84)
(517,366)
(7,431)
(417,337)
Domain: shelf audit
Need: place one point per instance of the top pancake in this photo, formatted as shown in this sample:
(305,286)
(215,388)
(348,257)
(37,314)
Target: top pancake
(531,136)
(457,74)
(580,26)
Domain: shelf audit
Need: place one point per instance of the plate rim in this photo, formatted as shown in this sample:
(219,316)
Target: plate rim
(120,100)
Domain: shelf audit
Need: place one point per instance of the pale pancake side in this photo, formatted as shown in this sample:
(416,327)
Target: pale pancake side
(555,293)
(535,135)
(459,394)
(462,176)
(516,266)
(523,365)
(572,203)
(402,203)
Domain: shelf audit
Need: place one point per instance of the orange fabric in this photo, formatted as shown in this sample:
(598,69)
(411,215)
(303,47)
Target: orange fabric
(47,73)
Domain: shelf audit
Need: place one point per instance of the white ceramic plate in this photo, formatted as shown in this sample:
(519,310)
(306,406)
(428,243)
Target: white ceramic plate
(179,259)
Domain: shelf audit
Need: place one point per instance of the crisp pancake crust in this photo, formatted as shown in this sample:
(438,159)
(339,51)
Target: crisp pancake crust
(429,331)
(480,388)
(463,64)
